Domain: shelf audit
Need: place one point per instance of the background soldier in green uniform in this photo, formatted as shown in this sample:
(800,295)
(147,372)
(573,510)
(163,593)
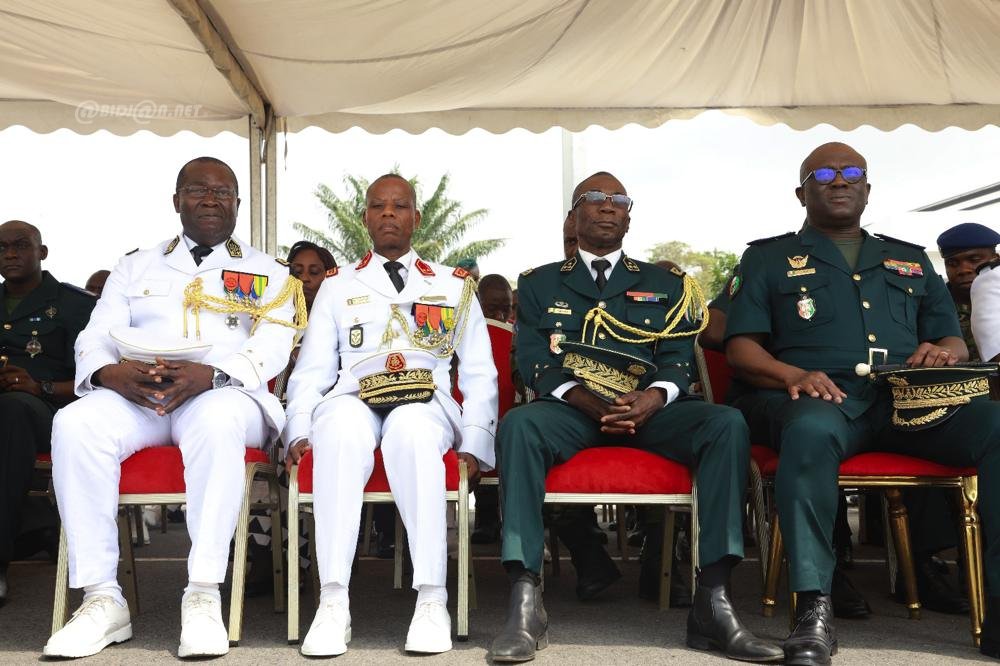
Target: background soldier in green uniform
(40,321)
(567,418)
(807,308)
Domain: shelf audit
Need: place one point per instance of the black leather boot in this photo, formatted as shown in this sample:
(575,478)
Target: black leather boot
(712,625)
(813,640)
(526,629)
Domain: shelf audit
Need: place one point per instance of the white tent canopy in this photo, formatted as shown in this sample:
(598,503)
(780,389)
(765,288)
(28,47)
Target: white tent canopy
(204,65)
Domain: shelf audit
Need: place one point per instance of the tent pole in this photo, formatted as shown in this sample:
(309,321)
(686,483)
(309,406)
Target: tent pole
(567,168)
(271,185)
(256,230)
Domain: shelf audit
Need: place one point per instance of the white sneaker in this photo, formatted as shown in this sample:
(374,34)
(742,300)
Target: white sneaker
(98,622)
(430,629)
(202,632)
(329,633)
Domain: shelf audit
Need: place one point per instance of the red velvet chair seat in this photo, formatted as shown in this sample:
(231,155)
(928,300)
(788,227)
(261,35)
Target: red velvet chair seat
(887,464)
(764,456)
(378,482)
(619,470)
(44,457)
(160,470)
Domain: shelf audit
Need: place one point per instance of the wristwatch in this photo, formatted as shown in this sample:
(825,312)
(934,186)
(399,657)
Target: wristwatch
(48,389)
(219,379)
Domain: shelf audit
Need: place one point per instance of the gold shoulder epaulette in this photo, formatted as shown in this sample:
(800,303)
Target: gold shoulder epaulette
(281,261)
(568,265)
(676,271)
(172,245)
(528,271)
(630,265)
(461,273)
(234,249)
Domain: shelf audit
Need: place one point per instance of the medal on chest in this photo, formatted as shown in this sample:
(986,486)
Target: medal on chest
(806,306)
(34,347)
(245,289)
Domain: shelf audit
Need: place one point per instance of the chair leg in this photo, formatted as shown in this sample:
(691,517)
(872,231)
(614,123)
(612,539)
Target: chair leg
(891,554)
(463,552)
(667,557)
(277,556)
(759,518)
(621,513)
(367,543)
(554,552)
(397,566)
(904,554)
(293,556)
(695,546)
(240,559)
(128,561)
(59,603)
(314,557)
(163,519)
(775,555)
(972,538)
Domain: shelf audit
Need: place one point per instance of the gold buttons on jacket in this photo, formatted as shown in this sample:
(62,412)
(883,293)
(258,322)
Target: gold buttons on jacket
(602,304)
(601,336)
(7,327)
(909,290)
(558,324)
(145,292)
(871,337)
(866,305)
(646,322)
(856,277)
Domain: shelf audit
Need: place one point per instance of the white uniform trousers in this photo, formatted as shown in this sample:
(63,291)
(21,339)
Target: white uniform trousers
(93,435)
(414,437)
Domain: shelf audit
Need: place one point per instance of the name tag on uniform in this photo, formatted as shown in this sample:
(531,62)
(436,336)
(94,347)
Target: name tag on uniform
(358,300)
(801,271)
(433,299)
(560,311)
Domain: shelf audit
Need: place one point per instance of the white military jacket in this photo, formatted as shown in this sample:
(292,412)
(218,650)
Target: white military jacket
(985,295)
(146,290)
(346,325)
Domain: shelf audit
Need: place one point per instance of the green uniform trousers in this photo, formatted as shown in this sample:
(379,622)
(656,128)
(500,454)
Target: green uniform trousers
(710,439)
(813,436)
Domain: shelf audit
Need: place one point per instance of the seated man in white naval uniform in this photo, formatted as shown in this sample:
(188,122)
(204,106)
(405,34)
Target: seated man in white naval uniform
(985,296)
(203,287)
(399,309)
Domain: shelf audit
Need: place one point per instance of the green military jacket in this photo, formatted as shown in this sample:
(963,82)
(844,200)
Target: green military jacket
(964,311)
(52,316)
(554,299)
(820,314)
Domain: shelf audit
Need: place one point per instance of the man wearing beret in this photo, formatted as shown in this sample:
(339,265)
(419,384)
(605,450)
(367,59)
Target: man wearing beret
(965,248)
(374,374)
(807,309)
(657,415)
(41,319)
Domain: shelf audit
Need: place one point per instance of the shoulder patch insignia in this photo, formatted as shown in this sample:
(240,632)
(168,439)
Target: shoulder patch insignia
(528,271)
(734,284)
(424,268)
(234,249)
(890,239)
(460,272)
(676,271)
(364,261)
(132,252)
(761,241)
(281,261)
(630,265)
(568,265)
(172,245)
(333,271)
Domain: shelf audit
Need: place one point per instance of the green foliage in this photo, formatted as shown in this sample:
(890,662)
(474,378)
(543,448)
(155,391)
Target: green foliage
(710,268)
(443,224)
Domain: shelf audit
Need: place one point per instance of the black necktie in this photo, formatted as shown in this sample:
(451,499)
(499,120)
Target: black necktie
(601,265)
(393,268)
(199,252)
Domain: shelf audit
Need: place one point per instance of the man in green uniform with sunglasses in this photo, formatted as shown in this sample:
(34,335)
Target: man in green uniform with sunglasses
(645,302)
(808,307)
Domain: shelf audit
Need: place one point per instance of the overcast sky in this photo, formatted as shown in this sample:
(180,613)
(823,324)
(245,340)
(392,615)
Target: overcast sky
(713,182)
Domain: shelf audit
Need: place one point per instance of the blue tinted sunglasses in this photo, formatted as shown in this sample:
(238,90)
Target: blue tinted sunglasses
(826,175)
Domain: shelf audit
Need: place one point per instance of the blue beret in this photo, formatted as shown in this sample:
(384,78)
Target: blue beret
(965,236)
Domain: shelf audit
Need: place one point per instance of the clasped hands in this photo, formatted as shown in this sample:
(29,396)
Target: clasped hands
(13,378)
(625,415)
(816,383)
(162,387)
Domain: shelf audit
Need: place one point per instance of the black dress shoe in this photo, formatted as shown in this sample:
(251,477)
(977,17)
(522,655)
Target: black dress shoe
(847,600)
(934,590)
(488,532)
(526,629)
(712,625)
(813,640)
(595,570)
(3,583)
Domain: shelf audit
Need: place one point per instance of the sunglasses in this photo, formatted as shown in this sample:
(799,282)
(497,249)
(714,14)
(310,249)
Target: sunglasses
(598,197)
(826,175)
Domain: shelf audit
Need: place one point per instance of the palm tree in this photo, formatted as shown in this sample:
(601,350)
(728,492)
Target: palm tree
(438,238)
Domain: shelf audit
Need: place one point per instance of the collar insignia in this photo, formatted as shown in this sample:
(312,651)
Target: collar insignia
(630,265)
(676,271)
(172,245)
(364,261)
(424,268)
(333,271)
(798,261)
(234,249)
(568,265)
(459,272)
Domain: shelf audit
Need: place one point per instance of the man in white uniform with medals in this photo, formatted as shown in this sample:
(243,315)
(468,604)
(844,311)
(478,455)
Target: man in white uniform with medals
(374,371)
(204,288)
